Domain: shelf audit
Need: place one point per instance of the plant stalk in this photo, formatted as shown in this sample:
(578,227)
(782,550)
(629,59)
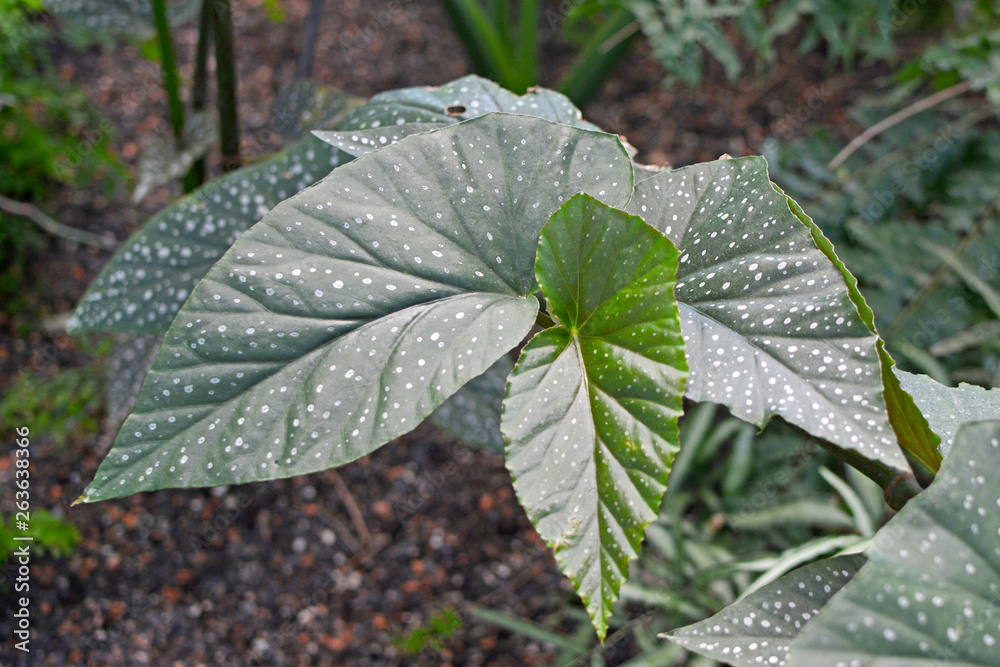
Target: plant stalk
(303,68)
(225,76)
(169,67)
(199,87)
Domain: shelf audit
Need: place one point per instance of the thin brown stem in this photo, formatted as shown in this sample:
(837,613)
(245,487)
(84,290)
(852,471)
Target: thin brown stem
(896,118)
(24,210)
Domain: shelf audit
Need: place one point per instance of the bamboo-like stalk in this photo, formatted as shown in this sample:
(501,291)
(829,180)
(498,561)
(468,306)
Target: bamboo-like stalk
(166,46)
(199,87)
(304,67)
(225,76)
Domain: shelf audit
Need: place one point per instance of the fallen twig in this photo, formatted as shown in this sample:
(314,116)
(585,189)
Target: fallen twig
(24,210)
(898,117)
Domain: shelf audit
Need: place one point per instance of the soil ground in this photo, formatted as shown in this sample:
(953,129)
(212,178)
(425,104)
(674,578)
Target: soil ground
(336,567)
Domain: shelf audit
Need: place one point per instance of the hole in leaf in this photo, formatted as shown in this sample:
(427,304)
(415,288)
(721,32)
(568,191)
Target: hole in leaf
(455,110)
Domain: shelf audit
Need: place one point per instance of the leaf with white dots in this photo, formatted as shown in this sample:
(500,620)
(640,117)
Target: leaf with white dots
(590,415)
(131,17)
(359,142)
(355,308)
(472,414)
(144,285)
(768,322)
(462,99)
(758,629)
(930,591)
(947,408)
(147,281)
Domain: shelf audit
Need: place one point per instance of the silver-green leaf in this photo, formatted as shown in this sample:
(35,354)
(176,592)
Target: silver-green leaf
(759,629)
(144,285)
(768,322)
(355,308)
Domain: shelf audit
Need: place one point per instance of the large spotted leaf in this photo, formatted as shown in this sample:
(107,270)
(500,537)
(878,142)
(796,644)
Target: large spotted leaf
(590,415)
(144,285)
(147,281)
(462,99)
(759,629)
(354,309)
(948,408)
(132,17)
(768,322)
(930,592)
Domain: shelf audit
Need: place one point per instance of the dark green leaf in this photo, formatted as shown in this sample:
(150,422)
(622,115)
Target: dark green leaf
(146,282)
(462,99)
(590,415)
(165,159)
(305,105)
(353,310)
(132,17)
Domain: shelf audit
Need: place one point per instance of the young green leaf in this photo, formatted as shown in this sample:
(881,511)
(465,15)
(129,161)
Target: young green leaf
(769,325)
(758,629)
(590,415)
(930,592)
(354,309)
(947,408)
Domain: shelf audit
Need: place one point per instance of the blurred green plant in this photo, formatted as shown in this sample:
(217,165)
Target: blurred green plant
(50,134)
(51,534)
(502,37)
(502,40)
(682,33)
(50,131)
(59,407)
(440,627)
